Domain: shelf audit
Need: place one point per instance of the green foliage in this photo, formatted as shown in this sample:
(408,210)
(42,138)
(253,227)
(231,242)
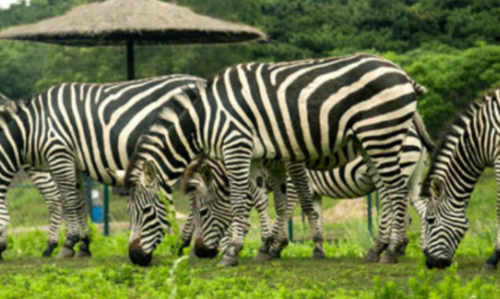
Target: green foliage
(109,274)
(447,46)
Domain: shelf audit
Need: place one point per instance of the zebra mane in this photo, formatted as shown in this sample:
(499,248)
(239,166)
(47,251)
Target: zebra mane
(453,132)
(135,158)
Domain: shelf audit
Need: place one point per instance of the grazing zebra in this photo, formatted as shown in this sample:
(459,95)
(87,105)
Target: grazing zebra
(206,183)
(211,207)
(76,128)
(295,113)
(470,145)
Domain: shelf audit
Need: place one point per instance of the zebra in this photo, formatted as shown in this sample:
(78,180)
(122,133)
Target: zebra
(469,146)
(212,209)
(47,187)
(206,183)
(81,128)
(295,113)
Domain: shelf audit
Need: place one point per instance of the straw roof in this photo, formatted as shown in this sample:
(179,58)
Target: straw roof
(113,22)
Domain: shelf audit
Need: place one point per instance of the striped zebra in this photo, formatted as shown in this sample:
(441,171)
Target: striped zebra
(295,113)
(81,128)
(470,145)
(47,187)
(211,208)
(206,183)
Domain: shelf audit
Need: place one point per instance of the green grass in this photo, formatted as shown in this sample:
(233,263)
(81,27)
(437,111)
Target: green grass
(343,274)
(109,274)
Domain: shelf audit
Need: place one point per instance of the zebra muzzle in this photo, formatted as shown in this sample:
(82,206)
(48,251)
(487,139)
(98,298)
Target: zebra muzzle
(440,263)
(203,251)
(137,255)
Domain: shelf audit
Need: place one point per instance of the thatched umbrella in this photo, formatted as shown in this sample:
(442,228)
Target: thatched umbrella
(129,22)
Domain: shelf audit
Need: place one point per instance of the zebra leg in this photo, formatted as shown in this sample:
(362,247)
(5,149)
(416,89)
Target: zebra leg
(298,176)
(83,219)
(492,262)
(318,251)
(4,222)
(384,232)
(237,162)
(55,211)
(386,162)
(85,233)
(65,177)
(266,233)
(279,187)
(48,188)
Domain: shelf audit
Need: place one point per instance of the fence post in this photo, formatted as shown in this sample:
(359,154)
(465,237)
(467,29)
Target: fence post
(369,201)
(106,210)
(290,229)
(88,188)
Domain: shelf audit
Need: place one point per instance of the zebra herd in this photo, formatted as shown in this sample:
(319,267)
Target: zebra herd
(339,127)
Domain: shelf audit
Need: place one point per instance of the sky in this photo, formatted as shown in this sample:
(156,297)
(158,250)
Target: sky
(6,3)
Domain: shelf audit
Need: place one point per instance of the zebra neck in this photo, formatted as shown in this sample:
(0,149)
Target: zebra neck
(466,152)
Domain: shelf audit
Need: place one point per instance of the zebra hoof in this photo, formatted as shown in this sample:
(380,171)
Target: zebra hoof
(66,252)
(262,256)
(275,254)
(318,254)
(228,261)
(402,249)
(489,267)
(372,257)
(83,253)
(47,253)
(389,258)
(50,249)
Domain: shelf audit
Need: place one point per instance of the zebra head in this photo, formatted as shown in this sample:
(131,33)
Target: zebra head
(210,210)
(148,213)
(444,226)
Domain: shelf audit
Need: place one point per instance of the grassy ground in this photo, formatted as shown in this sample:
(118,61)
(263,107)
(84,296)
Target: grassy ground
(343,274)
(109,274)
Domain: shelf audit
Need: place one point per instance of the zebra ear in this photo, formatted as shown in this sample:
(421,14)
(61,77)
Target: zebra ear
(437,187)
(149,170)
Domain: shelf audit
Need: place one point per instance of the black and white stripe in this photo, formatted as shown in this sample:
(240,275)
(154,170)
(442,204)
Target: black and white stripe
(82,128)
(470,145)
(293,113)
(45,184)
(211,208)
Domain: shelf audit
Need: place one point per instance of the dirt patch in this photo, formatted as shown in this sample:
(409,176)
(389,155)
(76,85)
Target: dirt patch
(349,209)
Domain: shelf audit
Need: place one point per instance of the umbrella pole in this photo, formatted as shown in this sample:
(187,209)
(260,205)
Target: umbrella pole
(130,59)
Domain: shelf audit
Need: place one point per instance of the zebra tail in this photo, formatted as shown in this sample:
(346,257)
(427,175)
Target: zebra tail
(419,89)
(422,132)
(187,178)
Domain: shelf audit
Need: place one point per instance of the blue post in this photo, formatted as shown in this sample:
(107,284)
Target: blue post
(303,226)
(290,229)
(106,210)
(369,200)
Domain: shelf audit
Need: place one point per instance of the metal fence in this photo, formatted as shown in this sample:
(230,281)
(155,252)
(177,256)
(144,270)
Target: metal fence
(29,211)
(107,208)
